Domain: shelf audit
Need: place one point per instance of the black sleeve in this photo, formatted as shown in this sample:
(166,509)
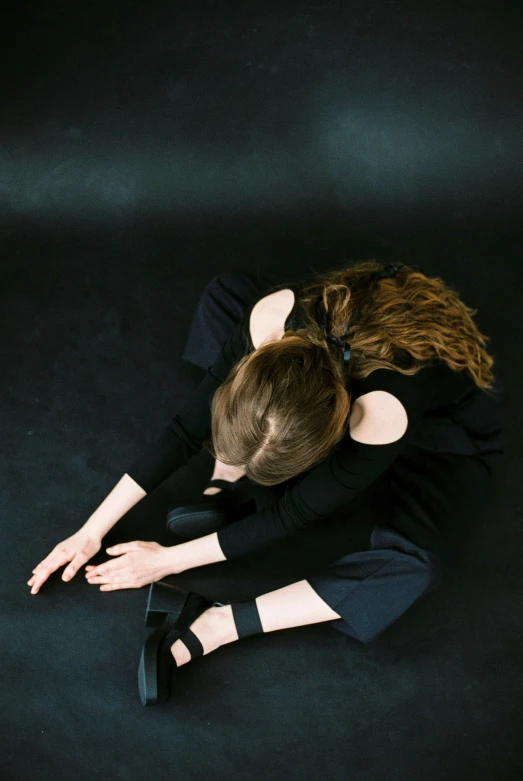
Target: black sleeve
(322,490)
(191,427)
(349,469)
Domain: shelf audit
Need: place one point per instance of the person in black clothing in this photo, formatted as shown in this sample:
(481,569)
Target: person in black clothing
(377,388)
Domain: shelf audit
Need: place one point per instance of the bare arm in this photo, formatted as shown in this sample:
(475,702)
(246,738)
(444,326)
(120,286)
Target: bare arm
(124,495)
(195,553)
(139,563)
(86,542)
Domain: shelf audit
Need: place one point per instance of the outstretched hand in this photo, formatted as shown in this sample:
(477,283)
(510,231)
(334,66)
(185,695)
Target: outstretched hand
(138,564)
(74,551)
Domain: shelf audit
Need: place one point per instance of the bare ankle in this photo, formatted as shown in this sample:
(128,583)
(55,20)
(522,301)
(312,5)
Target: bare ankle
(225,626)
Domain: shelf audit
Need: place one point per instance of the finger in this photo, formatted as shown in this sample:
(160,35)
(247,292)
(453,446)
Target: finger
(46,568)
(109,566)
(48,561)
(109,578)
(116,586)
(51,563)
(74,566)
(124,547)
(38,582)
(115,574)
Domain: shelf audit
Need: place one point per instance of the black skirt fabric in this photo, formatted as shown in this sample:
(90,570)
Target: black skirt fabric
(371,560)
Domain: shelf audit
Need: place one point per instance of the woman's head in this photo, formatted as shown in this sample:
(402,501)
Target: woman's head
(281,410)
(286,405)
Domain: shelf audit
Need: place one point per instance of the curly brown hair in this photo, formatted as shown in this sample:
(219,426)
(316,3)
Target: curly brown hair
(284,406)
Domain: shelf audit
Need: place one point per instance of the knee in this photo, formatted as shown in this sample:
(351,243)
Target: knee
(414,577)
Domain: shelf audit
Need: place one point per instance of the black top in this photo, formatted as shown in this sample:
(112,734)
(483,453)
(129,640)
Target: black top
(446,413)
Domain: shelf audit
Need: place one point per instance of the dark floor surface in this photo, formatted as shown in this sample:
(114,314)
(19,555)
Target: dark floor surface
(92,343)
(98,281)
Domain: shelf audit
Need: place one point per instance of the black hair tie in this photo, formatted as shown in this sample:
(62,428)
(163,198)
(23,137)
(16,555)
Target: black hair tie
(339,342)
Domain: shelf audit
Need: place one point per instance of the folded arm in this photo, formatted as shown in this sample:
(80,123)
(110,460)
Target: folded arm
(321,491)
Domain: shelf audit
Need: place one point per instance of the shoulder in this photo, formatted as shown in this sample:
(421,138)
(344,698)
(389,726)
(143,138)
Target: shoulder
(269,314)
(378,418)
(279,300)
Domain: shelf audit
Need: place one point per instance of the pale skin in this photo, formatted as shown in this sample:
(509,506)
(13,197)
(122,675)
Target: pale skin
(376,418)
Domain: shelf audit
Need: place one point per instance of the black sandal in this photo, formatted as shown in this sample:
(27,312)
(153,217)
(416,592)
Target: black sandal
(156,660)
(163,598)
(214,511)
(233,502)
(246,620)
(192,643)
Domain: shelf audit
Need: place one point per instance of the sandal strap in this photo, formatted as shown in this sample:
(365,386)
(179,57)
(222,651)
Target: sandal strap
(246,618)
(195,605)
(193,644)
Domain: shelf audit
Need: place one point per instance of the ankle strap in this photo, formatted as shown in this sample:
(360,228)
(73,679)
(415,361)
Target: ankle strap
(247,618)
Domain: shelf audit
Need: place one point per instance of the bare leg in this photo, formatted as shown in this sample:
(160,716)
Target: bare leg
(294,605)
(224,472)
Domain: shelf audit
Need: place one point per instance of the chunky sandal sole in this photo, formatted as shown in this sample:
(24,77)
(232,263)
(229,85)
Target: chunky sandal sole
(197,520)
(149,682)
(235,501)
(163,599)
(156,660)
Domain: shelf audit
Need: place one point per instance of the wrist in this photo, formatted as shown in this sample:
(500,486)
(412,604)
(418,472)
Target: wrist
(95,528)
(172,561)
(91,531)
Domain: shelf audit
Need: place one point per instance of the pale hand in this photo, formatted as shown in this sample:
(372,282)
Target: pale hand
(77,549)
(138,564)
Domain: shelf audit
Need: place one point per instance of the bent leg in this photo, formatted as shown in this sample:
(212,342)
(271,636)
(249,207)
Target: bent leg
(434,498)
(364,569)
(278,565)
(294,605)
(371,589)
(294,559)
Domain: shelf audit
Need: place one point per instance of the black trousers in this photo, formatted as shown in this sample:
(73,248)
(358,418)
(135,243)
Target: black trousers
(371,560)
